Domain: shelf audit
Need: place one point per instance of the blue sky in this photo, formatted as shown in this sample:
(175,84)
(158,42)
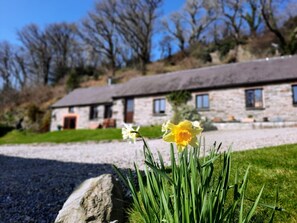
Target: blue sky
(15,14)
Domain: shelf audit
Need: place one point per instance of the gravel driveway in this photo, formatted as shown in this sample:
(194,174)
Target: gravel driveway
(35,180)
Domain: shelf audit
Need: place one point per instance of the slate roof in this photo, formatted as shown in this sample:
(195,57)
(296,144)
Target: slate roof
(87,96)
(258,72)
(262,71)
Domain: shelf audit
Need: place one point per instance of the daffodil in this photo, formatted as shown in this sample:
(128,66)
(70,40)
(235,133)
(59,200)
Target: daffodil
(165,127)
(129,133)
(183,134)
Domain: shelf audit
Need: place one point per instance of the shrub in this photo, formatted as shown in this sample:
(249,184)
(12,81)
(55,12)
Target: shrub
(5,129)
(202,54)
(45,122)
(190,113)
(177,99)
(32,112)
(73,81)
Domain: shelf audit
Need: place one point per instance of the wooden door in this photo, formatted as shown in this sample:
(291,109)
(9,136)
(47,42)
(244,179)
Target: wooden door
(129,110)
(69,123)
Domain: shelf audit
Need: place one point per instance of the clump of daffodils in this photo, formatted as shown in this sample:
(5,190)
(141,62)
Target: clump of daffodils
(189,191)
(129,133)
(183,134)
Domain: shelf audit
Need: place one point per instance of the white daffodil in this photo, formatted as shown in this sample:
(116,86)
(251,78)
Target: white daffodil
(129,133)
(196,125)
(165,127)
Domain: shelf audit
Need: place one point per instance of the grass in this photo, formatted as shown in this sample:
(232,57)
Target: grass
(274,167)
(24,137)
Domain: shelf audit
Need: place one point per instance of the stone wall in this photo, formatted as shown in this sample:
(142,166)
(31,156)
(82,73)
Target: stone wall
(277,99)
(143,111)
(144,114)
(57,118)
(118,111)
(223,104)
(81,113)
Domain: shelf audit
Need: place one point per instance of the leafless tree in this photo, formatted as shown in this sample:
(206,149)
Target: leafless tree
(99,31)
(61,37)
(270,13)
(166,46)
(232,15)
(252,15)
(6,60)
(21,67)
(13,70)
(135,21)
(36,43)
(199,15)
(175,25)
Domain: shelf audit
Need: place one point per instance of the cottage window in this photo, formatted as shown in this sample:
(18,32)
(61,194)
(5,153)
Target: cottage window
(254,98)
(159,106)
(294,89)
(94,112)
(71,109)
(107,111)
(202,102)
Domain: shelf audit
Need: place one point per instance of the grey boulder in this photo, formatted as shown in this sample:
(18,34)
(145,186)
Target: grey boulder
(96,200)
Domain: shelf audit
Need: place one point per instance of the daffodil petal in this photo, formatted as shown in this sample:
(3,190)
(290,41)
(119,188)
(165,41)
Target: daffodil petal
(185,124)
(169,137)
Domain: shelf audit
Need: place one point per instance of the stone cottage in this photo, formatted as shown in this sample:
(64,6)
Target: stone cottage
(265,90)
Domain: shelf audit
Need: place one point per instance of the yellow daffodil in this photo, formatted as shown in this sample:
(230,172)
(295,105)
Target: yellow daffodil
(183,134)
(129,133)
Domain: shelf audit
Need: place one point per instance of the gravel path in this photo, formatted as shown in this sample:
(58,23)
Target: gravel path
(35,180)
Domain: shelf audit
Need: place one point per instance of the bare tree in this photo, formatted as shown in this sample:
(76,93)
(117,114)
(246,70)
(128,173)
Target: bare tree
(199,15)
(232,14)
(21,67)
(252,16)
(61,37)
(6,60)
(175,25)
(99,31)
(135,21)
(36,43)
(270,13)
(166,46)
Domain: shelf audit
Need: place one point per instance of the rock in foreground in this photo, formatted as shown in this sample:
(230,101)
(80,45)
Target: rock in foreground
(96,200)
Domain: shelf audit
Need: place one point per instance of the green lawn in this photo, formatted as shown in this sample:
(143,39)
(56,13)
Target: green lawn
(23,137)
(274,167)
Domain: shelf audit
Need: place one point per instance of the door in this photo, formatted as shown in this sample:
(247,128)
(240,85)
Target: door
(129,110)
(69,123)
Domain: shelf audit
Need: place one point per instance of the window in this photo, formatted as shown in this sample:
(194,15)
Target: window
(94,112)
(159,106)
(202,102)
(71,109)
(294,89)
(254,98)
(107,111)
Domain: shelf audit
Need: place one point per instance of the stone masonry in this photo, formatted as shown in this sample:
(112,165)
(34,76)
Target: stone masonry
(277,99)
(223,104)
(81,113)
(143,111)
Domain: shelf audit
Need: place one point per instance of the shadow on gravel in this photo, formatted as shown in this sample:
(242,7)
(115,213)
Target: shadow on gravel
(34,190)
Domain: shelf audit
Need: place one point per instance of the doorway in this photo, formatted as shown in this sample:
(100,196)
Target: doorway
(69,122)
(129,110)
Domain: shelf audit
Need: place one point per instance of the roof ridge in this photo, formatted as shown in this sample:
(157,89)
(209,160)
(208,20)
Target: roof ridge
(216,66)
